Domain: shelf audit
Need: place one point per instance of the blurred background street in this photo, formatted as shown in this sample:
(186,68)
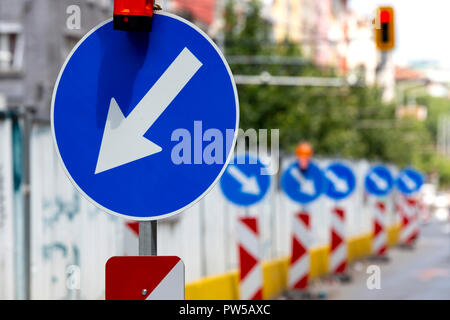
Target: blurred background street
(308,68)
(421,275)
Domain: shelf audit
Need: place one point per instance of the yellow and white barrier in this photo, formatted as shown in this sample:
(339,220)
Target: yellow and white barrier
(275,272)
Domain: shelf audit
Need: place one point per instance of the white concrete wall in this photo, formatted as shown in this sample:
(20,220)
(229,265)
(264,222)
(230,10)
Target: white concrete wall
(68,231)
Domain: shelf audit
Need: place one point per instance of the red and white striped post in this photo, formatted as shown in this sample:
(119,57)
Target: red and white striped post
(409,220)
(423,210)
(249,259)
(300,262)
(379,232)
(338,244)
(416,220)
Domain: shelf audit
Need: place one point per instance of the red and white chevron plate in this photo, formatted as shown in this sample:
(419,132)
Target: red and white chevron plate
(379,229)
(144,278)
(408,210)
(338,245)
(249,259)
(300,261)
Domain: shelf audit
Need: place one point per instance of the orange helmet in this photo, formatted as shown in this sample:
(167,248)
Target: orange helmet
(304,152)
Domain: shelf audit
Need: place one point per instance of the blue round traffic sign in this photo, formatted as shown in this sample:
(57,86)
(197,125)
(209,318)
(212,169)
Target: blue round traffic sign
(409,181)
(303,186)
(340,181)
(379,181)
(245,182)
(142,121)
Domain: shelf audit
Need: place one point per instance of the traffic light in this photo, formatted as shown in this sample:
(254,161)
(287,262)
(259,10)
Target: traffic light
(385,28)
(133,15)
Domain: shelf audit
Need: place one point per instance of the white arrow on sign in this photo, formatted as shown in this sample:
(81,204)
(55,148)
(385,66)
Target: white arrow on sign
(410,183)
(123,138)
(339,184)
(380,182)
(249,184)
(306,186)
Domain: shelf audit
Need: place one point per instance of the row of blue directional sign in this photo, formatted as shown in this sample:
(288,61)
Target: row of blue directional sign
(304,186)
(379,181)
(244,183)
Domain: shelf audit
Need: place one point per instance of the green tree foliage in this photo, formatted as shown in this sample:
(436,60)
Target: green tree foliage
(348,121)
(434,162)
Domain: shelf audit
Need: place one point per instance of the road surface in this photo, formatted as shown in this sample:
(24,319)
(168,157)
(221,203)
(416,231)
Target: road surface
(419,273)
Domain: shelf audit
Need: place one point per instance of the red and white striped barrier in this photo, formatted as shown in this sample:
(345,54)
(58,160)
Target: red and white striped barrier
(300,263)
(423,211)
(416,220)
(379,232)
(338,244)
(409,220)
(249,259)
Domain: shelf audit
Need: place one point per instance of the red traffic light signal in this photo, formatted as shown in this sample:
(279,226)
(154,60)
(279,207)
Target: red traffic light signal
(133,15)
(385,16)
(385,28)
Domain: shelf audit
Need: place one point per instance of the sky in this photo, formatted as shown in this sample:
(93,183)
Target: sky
(421,26)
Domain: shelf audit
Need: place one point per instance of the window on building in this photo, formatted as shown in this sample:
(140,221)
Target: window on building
(11,47)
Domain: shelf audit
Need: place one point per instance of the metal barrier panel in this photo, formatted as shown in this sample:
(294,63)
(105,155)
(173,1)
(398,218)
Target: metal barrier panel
(72,240)
(6,213)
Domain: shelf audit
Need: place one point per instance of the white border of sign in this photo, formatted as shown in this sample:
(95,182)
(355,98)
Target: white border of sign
(224,166)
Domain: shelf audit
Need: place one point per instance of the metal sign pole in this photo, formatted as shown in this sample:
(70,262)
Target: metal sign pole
(148,238)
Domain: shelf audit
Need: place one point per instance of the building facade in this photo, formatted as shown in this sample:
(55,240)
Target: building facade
(35,38)
(331,35)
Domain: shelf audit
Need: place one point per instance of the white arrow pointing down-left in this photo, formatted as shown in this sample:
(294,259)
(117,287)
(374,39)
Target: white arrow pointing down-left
(249,184)
(123,138)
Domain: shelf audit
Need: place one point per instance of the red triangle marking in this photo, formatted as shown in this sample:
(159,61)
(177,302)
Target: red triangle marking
(336,240)
(251,223)
(381,206)
(382,251)
(134,226)
(302,284)
(410,239)
(340,212)
(341,268)
(246,261)
(305,218)
(298,250)
(411,202)
(257,295)
(378,228)
(405,221)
